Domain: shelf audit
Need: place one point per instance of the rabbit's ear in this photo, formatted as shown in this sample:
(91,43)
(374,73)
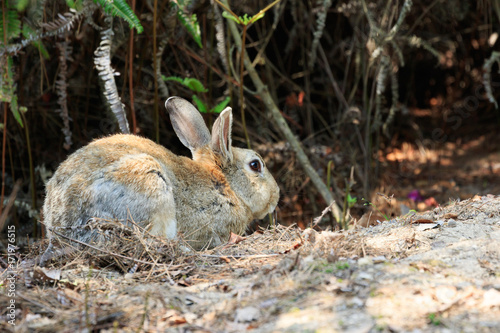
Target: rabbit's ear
(188,123)
(221,134)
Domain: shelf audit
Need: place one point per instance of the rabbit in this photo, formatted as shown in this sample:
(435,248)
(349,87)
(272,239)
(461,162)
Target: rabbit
(217,192)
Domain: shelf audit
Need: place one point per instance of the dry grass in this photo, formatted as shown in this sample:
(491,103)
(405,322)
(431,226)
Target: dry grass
(281,279)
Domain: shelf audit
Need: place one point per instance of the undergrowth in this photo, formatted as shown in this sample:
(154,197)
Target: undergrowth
(336,80)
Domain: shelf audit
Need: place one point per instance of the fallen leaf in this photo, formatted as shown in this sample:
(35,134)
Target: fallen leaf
(72,295)
(173,318)
(226,259)
(177,320)
(294,247)
(423,221)
(42,274)
(450,216)
(235,239)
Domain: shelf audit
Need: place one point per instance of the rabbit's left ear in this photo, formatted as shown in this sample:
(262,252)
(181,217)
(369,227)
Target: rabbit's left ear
(188,123)
(221,134)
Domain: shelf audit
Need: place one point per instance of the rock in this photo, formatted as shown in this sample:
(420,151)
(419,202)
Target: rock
(247,314)
(365,261)
(452,223)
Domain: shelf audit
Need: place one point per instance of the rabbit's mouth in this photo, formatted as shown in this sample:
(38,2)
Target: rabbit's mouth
(269,209)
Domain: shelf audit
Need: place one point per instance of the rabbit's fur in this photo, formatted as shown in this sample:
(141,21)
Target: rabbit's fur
(123,177)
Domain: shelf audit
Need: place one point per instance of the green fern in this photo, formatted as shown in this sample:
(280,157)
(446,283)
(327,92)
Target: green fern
(122,9)
(7,89)
(190,22)
(13,24)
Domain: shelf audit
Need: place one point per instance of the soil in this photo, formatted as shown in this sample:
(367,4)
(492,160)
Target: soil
(437,271)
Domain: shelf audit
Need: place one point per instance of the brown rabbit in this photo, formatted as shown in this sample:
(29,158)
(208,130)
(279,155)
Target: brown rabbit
(219,191)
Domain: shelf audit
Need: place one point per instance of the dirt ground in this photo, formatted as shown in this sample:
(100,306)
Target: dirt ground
(437,271)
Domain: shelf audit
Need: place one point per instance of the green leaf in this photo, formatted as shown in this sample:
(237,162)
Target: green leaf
(21,5)
(70,3)
(221,106)
(351,200)
(199,103)
(245,19)
(122,9)
(193,84)
(258,17)
(75,4)
(173,78)
(230,16)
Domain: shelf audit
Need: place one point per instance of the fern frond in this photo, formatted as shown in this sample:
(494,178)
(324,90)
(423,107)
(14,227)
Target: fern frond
(102,62)
(220,37)
(419,42)
(190,22)
(394,104)
(63,23)
(297,27)
(488,64)
(58,27)
(61,88)
(320,25)
(121,9)
(13,24)
(8,89)
(159,77)
(402,15)
(380,88)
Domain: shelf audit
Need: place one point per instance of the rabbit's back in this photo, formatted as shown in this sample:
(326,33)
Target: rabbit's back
(117,177)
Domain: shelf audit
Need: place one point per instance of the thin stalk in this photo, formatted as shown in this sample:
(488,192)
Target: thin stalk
(130,73)
(328,182)
(32,174)
(144,314)
(3,154)
(87,307)
(242,69)
(155,51)
(4,21)
(366,107)
(344,208)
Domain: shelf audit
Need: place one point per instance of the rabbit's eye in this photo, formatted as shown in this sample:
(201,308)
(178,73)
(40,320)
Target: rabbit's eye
(255,166)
